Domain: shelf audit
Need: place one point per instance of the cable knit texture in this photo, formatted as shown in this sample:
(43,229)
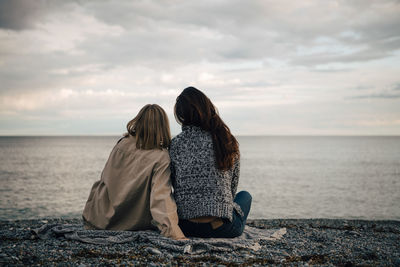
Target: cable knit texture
(200,189)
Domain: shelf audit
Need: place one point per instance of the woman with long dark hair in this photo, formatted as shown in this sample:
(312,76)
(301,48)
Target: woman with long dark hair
(205,161)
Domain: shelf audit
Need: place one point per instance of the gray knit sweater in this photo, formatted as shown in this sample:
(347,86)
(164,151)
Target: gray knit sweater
(200,189)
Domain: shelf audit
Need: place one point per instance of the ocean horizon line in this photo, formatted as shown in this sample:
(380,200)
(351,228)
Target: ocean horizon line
(237,135)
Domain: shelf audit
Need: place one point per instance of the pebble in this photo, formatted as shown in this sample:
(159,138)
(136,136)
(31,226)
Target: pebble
(187,249)
(308,241)
(168,255)
(396,262)
(153,251)
(353,233)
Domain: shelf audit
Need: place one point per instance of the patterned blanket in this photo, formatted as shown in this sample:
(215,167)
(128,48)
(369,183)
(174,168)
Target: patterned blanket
(248,240)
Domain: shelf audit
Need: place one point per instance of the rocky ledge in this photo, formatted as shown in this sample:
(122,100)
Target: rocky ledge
(307,242)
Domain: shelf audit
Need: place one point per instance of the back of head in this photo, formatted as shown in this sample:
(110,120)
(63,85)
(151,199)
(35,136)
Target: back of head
(193,107)
(150,127)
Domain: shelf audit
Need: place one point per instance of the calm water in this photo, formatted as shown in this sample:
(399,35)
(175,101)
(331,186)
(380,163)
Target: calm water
(289,177)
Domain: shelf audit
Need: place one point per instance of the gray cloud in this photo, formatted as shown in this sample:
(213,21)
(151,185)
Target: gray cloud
(22,14)
(180,32)
(387,93)
(378,95)
(255,30)
(242,53)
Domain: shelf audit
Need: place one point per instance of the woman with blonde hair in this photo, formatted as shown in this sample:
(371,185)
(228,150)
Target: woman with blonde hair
(134,192)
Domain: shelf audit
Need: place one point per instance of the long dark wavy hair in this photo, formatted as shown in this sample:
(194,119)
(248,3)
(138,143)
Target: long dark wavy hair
(192,107)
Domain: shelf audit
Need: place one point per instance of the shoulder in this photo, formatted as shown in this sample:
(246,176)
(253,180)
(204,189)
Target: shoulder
(191,134)
(159,155)
(178,140)
(159,158)
(126,143)
(127,146)
(181,135)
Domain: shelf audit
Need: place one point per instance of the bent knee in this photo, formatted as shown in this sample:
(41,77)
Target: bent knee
(244,194)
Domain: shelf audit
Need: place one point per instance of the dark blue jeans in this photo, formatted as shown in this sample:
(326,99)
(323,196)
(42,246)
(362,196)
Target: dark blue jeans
(228,229)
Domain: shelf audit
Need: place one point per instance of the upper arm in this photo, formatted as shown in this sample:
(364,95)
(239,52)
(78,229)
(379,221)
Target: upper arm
(172,155)
(172,169)
(161,173)
(162,204)
(235,176)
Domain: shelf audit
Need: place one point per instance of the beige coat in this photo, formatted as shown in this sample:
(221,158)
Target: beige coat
(134,192)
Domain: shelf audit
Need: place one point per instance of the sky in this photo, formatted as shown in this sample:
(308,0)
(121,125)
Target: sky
(282,67)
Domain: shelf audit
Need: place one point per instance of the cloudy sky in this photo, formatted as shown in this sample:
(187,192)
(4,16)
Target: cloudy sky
(271,67)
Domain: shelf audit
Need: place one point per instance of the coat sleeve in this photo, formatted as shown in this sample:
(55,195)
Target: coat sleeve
(235,177)
(234,186)
(162,204)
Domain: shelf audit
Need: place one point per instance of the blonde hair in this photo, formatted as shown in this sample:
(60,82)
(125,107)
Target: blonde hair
(150,127)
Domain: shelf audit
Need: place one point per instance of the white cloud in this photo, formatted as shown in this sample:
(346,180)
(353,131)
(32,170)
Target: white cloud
(275,58)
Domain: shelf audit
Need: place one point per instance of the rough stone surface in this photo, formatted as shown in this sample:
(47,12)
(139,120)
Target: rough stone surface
(307,242)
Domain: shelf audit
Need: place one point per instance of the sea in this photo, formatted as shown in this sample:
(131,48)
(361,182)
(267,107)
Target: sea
(288,176)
